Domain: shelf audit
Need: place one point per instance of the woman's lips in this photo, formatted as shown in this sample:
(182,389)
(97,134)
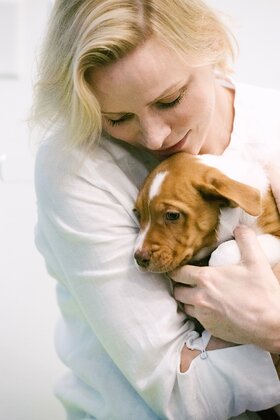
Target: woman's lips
(173,149)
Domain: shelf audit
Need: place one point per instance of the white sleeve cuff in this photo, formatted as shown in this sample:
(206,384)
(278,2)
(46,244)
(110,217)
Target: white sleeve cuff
(227,382)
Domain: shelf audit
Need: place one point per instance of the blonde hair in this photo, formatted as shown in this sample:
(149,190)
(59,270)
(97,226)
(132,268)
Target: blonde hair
(85,34)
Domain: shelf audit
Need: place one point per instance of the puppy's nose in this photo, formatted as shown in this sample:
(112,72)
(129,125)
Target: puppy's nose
(142,258)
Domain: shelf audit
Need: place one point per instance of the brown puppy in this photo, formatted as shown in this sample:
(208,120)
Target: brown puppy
(188,206)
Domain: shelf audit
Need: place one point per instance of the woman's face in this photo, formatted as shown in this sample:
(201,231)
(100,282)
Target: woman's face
(153,99)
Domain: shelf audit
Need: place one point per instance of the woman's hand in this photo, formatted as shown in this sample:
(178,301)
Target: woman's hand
(238,303)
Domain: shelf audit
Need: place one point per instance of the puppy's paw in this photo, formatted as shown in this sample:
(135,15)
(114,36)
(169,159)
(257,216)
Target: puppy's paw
(227,253)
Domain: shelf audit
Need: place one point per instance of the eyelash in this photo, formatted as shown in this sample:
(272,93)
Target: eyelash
(114,123)
(172,104)
(162,106)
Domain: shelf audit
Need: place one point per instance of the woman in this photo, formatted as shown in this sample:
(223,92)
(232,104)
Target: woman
(149,75)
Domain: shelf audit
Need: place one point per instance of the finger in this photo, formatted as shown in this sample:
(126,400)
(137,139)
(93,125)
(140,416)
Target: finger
(188,274)
(250,249)
(189,310)
(185,295)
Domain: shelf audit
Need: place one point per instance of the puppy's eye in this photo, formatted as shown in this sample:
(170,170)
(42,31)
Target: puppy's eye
(172,215)
(136,213)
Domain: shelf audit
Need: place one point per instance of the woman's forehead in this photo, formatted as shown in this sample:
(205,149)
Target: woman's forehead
(150,72)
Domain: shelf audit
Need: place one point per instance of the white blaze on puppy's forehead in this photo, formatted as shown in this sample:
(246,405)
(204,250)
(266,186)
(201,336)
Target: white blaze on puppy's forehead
(156,184)
(154,191)
(141,237)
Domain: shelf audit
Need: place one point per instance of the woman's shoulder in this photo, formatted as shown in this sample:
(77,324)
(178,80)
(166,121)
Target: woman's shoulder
(55,155)
(257,90)
(257,112)
(262,98)
(108,165)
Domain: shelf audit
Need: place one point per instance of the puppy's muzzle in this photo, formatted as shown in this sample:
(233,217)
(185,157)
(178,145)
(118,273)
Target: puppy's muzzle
(142,258)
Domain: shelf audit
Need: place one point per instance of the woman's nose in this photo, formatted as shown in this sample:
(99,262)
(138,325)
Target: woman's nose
(154,132)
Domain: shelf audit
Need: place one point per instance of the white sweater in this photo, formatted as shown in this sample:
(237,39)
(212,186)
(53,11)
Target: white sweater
(120,333)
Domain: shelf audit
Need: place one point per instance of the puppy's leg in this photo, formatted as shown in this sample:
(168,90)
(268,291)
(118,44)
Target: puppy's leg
(228,252)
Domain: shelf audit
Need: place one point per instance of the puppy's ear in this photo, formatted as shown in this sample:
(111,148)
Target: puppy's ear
(232,193)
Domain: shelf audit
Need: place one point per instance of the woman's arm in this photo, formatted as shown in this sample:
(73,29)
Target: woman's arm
(87,233)
(238,303)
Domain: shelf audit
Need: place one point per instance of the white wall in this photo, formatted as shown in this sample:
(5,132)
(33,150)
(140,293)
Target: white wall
(28,311)
(28,363)
(255,24)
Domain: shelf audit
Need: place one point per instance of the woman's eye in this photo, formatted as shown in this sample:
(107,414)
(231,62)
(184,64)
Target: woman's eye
(164,105)
(114,123)
(172,215)
(121,120)
(171,104)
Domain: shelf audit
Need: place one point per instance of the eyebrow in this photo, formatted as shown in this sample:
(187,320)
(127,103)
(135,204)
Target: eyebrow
(167,92)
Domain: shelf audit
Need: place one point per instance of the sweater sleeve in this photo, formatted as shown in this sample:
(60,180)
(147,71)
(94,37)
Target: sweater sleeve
(89,235)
